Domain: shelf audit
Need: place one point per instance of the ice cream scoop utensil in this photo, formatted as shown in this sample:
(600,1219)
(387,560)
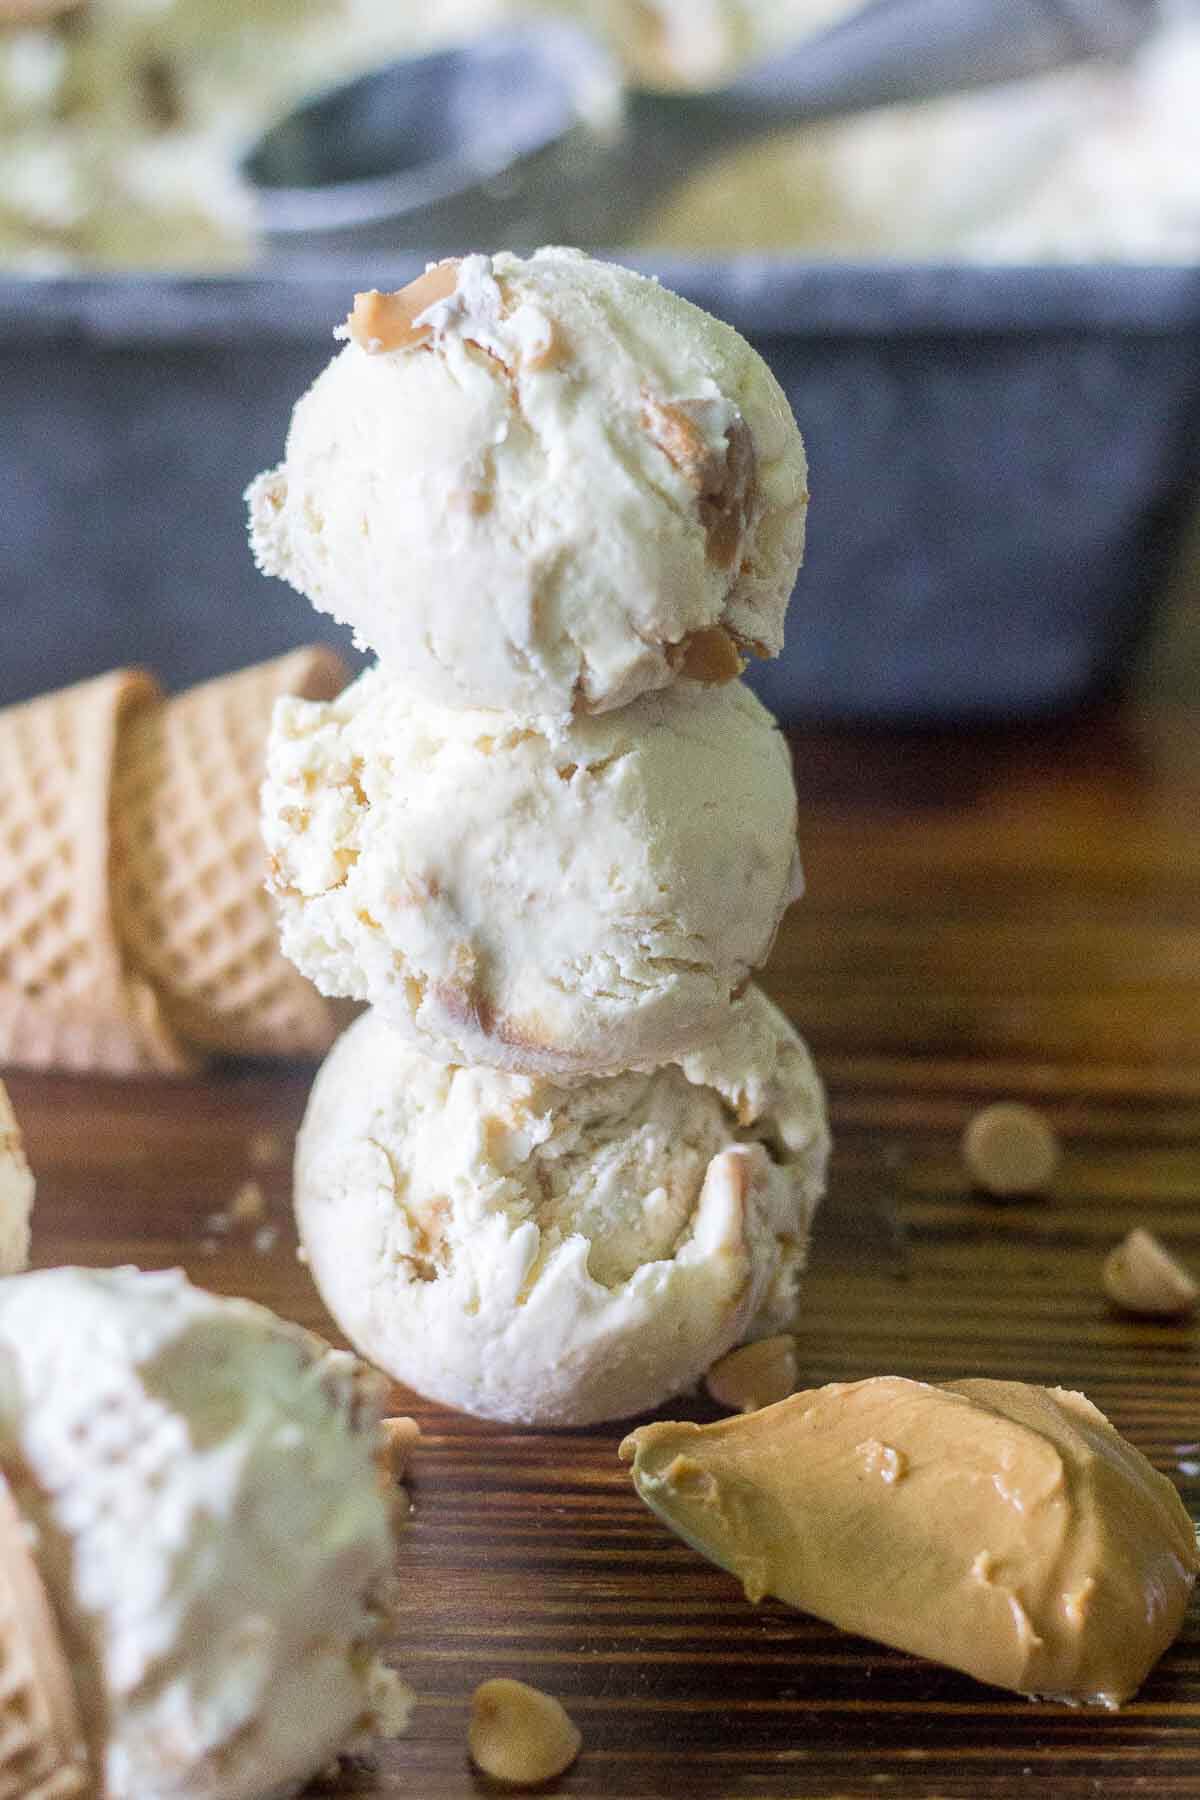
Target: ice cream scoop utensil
(497,140)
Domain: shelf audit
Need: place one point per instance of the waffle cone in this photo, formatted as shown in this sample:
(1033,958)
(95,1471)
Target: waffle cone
(16,1191)
(66,998)
(190,869)
(42,1750)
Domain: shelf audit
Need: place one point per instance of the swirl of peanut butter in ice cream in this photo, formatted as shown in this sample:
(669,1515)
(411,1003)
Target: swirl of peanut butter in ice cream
(1006,1530)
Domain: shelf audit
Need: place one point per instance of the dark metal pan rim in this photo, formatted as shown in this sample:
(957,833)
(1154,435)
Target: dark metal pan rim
(762,295)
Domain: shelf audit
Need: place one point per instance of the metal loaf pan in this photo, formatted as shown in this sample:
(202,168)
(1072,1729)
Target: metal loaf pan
(1001,460)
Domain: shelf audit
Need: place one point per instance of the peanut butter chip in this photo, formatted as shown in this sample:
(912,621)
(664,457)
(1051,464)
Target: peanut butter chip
(710,656)
(400,1434)
(548,352)
(519,1734)
(475,502)
(1010,1149)
(756,1375)
(249,1203)
(725,485)
(388,321)
(727,500)
(1142,1277)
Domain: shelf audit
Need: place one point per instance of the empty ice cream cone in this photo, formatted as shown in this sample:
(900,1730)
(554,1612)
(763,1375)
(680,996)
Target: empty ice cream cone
(42,1750)
(67,999)
(189,865)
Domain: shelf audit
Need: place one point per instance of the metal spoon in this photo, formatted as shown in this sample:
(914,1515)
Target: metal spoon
(491,142)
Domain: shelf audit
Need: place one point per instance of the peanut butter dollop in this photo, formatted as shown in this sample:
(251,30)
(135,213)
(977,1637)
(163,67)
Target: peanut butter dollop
(1005,1530)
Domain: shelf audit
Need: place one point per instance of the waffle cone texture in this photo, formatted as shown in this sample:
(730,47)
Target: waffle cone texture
(42,1751)
(135,933)
(189,868)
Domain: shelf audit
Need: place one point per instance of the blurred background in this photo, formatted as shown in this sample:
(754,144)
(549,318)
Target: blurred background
(984,306)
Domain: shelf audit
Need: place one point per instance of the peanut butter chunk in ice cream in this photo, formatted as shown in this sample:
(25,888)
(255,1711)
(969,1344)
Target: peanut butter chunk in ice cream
(1003,1529)
(382,322)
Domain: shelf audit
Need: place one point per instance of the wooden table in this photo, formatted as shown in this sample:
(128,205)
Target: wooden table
(1015,914)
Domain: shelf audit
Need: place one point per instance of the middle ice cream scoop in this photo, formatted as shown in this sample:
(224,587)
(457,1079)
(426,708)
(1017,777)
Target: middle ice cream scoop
(557,1254)
(560,902)
(531,484)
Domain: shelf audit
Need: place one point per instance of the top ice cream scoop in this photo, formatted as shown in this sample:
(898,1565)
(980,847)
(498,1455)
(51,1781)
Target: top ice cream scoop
(541,486)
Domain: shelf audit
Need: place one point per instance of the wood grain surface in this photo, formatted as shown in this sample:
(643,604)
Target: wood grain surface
(1005,915)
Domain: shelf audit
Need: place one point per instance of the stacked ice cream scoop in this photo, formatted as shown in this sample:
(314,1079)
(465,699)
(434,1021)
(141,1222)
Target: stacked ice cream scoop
(570,1156)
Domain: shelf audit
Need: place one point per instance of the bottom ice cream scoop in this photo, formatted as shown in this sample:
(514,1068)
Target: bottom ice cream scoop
(203,1486)
(557,1254)
(16,1191)
(1003,1529)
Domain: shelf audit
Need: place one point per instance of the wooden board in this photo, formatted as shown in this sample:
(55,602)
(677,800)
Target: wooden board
(1011,914)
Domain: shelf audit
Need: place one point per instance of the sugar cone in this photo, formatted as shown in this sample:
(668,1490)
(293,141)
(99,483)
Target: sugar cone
(189,868)
(42,1750)
(16,1191)
(66,998)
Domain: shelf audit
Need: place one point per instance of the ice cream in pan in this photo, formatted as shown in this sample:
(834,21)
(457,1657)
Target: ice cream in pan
(568,1160)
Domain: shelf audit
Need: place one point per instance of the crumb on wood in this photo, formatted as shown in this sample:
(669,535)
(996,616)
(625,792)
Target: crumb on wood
(249,1203)
(400,1434)
(265,1149)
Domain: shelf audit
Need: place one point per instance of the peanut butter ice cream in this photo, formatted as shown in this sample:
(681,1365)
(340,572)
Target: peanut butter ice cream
(555,902)
(202,1485)
(531,484)
(1006,1530)
(553,1254)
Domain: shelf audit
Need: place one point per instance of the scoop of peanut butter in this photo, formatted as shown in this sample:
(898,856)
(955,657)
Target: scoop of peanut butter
(1006,1530)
